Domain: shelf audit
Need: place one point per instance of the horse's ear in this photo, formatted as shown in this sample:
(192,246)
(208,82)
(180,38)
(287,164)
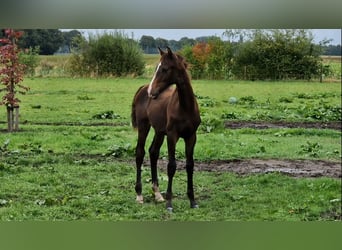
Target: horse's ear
(161,52)
(169,51)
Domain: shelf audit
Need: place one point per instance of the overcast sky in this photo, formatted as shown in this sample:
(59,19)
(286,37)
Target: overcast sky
(176,34)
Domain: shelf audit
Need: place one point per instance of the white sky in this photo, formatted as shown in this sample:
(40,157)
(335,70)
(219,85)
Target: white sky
(176,34)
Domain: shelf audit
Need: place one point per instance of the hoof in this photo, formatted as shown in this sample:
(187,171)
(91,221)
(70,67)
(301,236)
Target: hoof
(194,206)
(139,199)
(169,209)
(158,197)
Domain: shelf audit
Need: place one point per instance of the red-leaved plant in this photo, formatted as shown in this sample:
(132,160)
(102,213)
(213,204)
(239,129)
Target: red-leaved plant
(11,74)
(11,70)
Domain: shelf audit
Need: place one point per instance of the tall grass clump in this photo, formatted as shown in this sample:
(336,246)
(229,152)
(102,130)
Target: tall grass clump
(108,54)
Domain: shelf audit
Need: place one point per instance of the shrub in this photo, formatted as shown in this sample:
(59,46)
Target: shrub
(278,55)
(321,112)
(247,100)
(104,55)
(29,57)
(311,149)
(210,123)
(210,59)
(107,115)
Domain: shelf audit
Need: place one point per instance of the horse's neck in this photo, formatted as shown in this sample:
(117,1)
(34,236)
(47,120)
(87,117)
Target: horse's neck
(186,95)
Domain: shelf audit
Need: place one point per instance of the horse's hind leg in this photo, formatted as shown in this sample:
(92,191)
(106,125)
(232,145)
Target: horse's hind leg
(189,151)
(154,155)
(139,158)
(171,168)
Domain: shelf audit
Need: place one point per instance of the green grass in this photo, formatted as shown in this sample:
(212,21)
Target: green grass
(71,189)
(65,101)
(267,144)
(78,100)
(334,63)
(73,158)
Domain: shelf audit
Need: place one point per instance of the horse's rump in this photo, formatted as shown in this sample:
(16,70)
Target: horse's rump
(139,97)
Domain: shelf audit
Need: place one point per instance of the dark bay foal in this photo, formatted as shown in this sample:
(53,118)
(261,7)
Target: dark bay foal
(172,112)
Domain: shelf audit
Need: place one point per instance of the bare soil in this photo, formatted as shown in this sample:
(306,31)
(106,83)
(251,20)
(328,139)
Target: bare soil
(293,168)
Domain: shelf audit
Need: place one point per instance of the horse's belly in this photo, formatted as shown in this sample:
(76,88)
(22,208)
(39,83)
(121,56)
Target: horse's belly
(157,120)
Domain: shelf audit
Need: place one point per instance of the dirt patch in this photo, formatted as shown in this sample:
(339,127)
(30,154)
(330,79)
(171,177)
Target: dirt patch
(291,167)
(282,124)
(294,168)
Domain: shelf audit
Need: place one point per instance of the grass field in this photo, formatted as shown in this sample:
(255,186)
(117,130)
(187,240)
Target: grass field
(73,158)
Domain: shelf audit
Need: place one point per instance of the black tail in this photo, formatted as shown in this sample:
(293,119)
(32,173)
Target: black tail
(133,115)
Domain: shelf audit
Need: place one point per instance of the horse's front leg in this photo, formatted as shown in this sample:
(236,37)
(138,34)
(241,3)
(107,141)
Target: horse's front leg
(189,152)
(154,155)
(171,168)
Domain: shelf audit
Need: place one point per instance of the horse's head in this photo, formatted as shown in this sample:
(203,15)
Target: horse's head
(170,70)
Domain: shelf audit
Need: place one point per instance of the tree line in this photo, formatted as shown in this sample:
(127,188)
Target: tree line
(245,54)
(332,50)
(51,41)
(150,44)
(46,41)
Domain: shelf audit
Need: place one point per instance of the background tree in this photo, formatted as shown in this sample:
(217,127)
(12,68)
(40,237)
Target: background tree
(185,41)
(174,45)
(332,50)
(161,42)
(148,44)
(48,40)
(11,74)
(68,38)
